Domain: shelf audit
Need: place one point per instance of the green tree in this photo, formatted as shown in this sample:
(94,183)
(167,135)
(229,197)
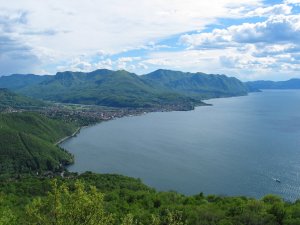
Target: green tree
(82,206)
(6,215)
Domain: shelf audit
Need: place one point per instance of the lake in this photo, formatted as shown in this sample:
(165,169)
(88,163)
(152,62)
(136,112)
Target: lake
(238,146)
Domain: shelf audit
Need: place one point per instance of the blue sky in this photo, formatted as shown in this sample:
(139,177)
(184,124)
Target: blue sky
(248,39)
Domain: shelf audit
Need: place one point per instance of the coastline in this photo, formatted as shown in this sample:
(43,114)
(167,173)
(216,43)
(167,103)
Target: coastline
(67,137)
(140,112)
(136,112)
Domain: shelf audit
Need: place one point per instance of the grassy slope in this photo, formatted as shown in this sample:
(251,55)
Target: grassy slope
(26,142)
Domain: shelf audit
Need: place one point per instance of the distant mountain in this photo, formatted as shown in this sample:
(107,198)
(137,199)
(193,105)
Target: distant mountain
(10,99)
(199,85)
(124,89)
(18,81)
(103,87)
(27,142)
(262,84)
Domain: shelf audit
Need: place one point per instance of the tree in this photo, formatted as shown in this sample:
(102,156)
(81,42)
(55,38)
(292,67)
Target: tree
(6,215)
(82,206)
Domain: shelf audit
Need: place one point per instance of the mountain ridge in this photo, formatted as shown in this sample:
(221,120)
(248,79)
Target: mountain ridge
(293,83)
(9,99)
(124,89)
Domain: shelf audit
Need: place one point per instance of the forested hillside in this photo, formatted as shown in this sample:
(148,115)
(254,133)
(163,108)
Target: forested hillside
(27,142)
(10,99)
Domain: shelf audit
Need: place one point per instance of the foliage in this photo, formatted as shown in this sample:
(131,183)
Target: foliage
(6,215)
(62,206)
(123,200)
(27,142)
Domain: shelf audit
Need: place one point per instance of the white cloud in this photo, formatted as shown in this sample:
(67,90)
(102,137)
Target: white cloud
(70,28)
(86,35)
(279,9)
(276,29)
(292,1)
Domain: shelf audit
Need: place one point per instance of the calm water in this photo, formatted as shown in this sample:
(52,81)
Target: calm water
(235,147)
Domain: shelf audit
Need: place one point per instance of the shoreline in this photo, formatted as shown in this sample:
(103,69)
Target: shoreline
(70,136)
(140,112)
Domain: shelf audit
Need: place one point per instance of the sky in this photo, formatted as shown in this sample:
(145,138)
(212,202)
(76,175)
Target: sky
(247,39)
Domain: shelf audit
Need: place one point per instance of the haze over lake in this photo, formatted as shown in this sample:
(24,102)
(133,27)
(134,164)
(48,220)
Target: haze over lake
(235,147)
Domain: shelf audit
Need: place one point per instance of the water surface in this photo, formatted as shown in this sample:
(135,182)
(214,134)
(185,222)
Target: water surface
(235,147)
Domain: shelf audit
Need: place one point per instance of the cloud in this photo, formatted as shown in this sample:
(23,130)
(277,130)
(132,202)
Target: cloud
(142,35)
(292,1)
(70,28)
(276,29)
(15,55)
(279,9)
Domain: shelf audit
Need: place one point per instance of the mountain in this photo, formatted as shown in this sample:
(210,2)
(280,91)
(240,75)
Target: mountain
(262,84)
(103,87)
(10,99)
(27,142)
(18,81)
(199,85)
(124,89)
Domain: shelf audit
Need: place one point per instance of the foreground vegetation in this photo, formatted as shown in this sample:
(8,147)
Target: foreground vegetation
(113,199)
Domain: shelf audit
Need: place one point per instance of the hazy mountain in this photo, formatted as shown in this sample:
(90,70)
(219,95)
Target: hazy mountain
(197,84)
(124,89)
(262,84)
(18,81)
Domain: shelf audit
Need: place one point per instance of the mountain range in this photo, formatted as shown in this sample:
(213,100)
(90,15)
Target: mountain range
(264,84)
(124,89)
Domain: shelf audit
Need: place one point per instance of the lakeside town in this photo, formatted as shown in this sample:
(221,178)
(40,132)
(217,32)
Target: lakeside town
(90,114)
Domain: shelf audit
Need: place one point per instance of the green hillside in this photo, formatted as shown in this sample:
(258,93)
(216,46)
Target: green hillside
(27,142)
(198,85)
(103,87)
(13,100)
(124,89)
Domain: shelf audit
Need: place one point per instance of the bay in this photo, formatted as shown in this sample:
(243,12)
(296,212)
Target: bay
(238,146)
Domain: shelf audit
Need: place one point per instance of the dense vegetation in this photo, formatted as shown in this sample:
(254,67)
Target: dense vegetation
(27,142)
(262,84)
(113,199)
(9,99)
(124,89)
